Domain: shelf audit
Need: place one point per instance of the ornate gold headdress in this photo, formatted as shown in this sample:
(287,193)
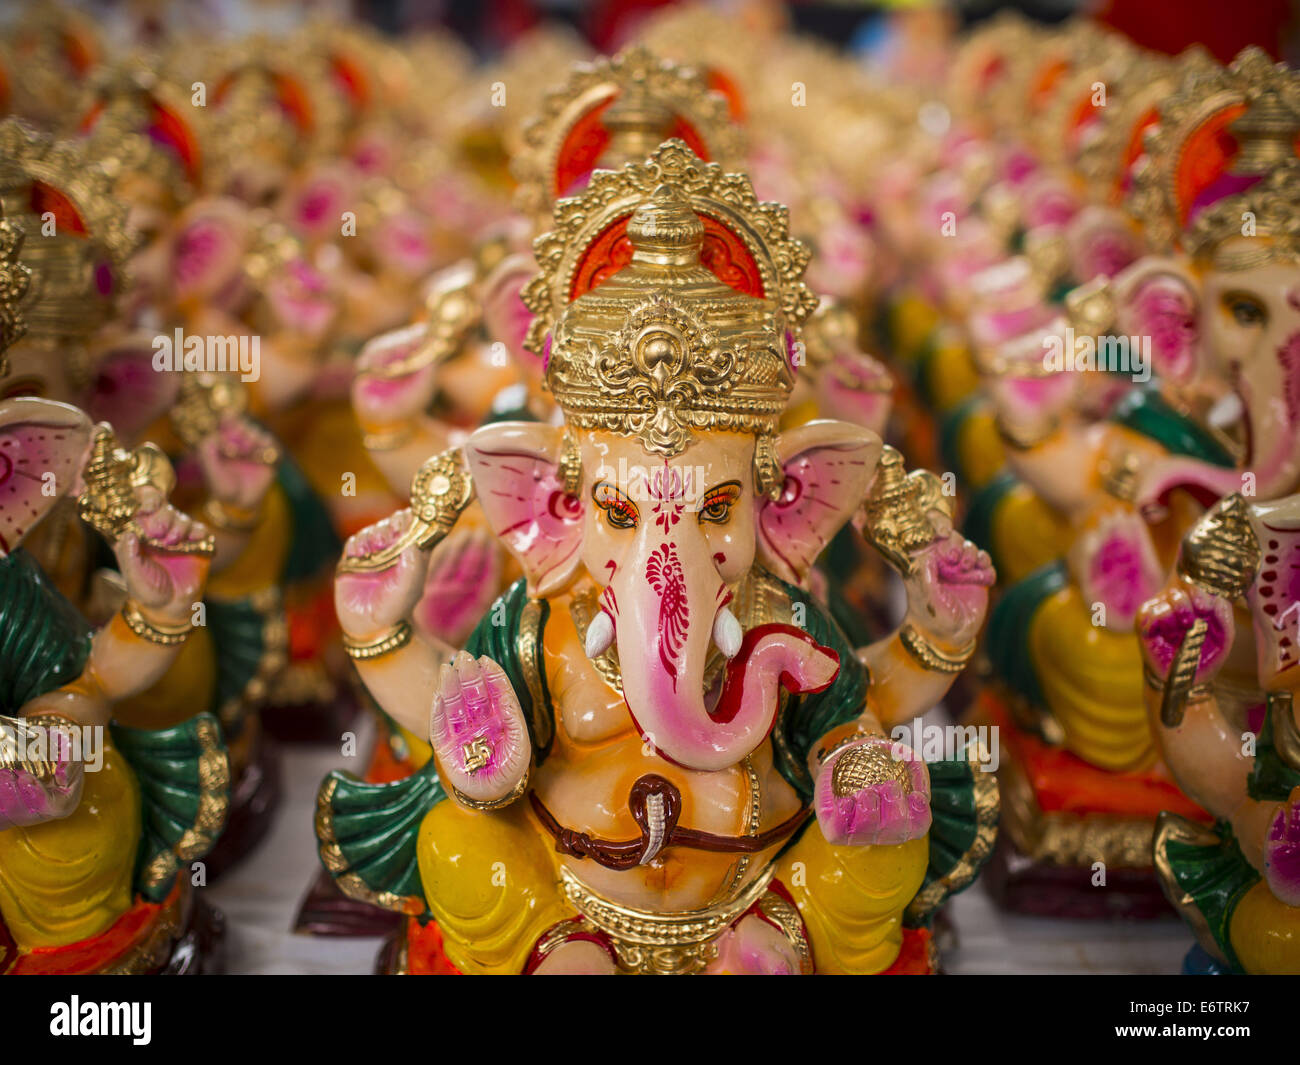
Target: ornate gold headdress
(139,124)
(76,240)
(668,302)
(15,281)
(613,111)
(1189,192)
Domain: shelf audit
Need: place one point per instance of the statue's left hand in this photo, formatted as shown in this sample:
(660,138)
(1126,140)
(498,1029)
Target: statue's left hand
(238,462)
(752,947)
(873,793)
(478,730)
(948,591)
(1282,852)
(27,800)
(164,578)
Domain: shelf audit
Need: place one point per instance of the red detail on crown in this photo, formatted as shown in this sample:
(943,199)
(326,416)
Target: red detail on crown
(588,138)
(66,216)
(167,129)
(1206,154)
(353,79)
(723,254)
(722,83)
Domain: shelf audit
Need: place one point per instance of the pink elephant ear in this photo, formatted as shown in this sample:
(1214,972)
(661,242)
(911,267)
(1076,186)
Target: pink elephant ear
(127,391)
(504,313)
(516,479)
(828,466)
(208,248)
(1156,298)
(42,444)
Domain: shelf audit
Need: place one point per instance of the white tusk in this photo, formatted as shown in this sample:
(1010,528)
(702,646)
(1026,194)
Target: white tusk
(727,633)
(600,634)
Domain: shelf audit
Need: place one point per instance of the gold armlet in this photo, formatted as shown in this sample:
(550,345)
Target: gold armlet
(229,519)
(440,490)
(362,650)
(929,656)
(164,636)
(492,804)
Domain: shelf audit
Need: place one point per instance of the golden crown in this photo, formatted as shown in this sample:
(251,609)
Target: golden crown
(15,281)
(680,322)
(123,104)
(77,242)
(638,99)
(1258,102)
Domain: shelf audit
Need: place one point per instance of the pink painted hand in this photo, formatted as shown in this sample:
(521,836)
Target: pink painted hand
(1163,623)
(752,947)
(164,576)
(464,577)
(948,591)
(865,796)
(477,730)
(27,798)
(1282,852)
(390,387)
(368,604)
(238,462)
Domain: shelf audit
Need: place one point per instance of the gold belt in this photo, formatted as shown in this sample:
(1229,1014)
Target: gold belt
(666,944)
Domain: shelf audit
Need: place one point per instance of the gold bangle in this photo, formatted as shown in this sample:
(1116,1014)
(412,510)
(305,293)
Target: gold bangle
(229,519)
(164,636)
(388,440)
(931,657)
(492,804)
(363,650)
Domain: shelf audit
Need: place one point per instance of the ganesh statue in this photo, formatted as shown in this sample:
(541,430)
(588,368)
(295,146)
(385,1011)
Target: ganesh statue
(1209,313)
(102,826)
(657,752)
(1220,649)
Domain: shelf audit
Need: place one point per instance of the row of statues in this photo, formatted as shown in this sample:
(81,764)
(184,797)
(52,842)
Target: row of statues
(556,411)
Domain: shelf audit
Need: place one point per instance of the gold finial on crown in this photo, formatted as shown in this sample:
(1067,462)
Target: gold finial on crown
(643,98)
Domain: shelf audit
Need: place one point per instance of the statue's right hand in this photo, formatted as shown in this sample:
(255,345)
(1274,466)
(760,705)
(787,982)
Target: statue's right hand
(368,604)
(393,385)
(27,799)
(1164,621)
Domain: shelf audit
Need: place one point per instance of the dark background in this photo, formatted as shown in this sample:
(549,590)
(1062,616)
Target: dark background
(1222,26)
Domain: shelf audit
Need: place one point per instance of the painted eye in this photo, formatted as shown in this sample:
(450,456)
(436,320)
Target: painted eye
(621,515)
(717,512)
(716,506)
(1246,311)
(620,512)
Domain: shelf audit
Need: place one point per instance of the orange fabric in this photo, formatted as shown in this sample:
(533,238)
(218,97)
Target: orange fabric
(91,955)
(1065,783)
(914,956)
(424,953)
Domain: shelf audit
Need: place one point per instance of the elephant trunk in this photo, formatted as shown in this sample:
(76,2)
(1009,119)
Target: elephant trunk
(665,617)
